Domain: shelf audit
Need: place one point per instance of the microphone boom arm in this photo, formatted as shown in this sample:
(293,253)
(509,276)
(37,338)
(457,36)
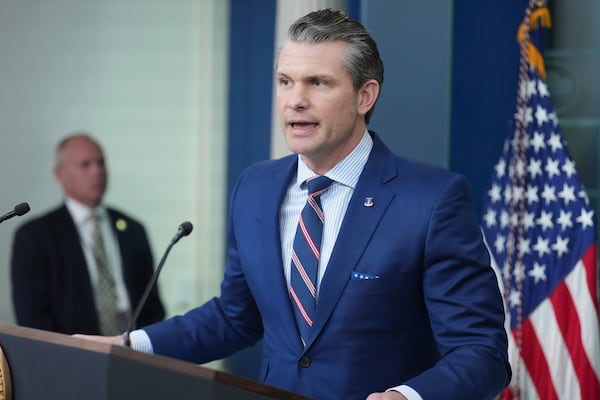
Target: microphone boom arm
(184,229)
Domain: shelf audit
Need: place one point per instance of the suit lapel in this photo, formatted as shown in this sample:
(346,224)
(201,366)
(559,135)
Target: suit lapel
(268,220)
(121,237)
(361,220)
(71,241)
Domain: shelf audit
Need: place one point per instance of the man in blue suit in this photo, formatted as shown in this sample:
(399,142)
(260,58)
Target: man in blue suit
(55,274)
(407,305)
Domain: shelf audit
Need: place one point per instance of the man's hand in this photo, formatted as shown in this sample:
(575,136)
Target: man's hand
(116,340)
(391,395)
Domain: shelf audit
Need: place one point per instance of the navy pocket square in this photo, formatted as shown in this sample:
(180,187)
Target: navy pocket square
(361,276)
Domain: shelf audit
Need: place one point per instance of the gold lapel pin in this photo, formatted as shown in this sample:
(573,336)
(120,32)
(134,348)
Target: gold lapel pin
(121,225)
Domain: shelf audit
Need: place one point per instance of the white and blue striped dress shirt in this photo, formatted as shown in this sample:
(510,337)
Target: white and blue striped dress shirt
(334,202)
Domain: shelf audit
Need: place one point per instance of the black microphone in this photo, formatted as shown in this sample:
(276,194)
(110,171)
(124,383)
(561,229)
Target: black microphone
(184,229)
(19,210)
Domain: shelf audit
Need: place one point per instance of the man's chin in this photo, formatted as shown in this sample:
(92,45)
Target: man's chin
(96,200)
(300,145)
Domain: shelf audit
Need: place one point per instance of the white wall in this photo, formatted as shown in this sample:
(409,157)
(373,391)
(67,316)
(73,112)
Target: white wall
(148,79)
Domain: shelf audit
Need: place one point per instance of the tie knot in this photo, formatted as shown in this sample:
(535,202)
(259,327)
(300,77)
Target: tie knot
(318,184)
(95,218)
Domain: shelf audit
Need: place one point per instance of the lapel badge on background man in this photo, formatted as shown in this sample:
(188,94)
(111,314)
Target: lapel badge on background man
(121,225)
(369,202)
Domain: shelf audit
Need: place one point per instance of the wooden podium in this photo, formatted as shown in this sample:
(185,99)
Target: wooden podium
(52,366)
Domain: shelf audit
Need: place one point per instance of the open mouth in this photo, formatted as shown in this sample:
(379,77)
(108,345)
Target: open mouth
(303,125)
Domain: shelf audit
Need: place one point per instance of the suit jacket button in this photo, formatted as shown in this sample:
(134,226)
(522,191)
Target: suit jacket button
(305,362)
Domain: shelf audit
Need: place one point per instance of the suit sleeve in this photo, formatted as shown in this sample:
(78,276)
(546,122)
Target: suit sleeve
(30,278)
(222,325)
(464,304)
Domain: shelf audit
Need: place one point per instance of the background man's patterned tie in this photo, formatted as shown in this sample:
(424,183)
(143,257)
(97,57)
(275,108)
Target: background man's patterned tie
(105,291)
(306,253)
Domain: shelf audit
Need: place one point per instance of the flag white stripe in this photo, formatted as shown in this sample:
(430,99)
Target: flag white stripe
(545,325)
(525,383)
(526,386)
(578,286)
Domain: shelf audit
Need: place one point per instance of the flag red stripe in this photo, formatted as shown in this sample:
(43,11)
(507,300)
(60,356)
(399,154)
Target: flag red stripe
(568,322)
(532,355)
(589,260)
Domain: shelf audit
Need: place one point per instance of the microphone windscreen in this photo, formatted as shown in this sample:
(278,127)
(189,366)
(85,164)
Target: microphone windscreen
(186,228)
(21,209)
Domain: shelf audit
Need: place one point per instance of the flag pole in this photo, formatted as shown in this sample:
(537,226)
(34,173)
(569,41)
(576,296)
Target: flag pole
(514,258)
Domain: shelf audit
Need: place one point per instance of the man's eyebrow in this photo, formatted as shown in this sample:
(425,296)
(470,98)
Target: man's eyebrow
(322,76)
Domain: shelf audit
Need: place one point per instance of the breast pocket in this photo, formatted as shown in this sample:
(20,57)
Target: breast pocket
(368,283)
(375,303)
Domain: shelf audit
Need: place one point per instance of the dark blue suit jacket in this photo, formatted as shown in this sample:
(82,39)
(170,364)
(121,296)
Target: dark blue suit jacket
(51,287)
(433,319)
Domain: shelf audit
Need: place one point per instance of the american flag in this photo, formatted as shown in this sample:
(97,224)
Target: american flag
(540,231)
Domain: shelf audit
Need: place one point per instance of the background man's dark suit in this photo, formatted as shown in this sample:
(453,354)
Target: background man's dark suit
(51,287)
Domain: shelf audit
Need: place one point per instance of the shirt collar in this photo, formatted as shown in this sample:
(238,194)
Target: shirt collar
(80,212)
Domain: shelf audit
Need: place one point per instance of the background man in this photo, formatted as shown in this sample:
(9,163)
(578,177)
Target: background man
(82,266)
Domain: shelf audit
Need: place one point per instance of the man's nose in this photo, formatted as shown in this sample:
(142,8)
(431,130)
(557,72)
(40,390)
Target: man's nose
(298,98)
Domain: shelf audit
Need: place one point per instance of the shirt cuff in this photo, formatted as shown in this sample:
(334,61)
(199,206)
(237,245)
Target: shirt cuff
(407,391)
(140,341)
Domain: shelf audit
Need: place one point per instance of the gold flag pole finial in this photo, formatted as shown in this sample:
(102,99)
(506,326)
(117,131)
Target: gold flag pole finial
(537,15)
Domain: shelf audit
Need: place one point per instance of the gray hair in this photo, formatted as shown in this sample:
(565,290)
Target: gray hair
(60,147)
(362,59)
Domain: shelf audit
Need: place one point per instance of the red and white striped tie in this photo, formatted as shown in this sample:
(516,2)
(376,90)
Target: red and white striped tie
(306,253)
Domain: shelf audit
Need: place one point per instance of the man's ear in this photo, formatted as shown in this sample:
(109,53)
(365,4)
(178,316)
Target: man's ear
(367,96)
(57,172)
